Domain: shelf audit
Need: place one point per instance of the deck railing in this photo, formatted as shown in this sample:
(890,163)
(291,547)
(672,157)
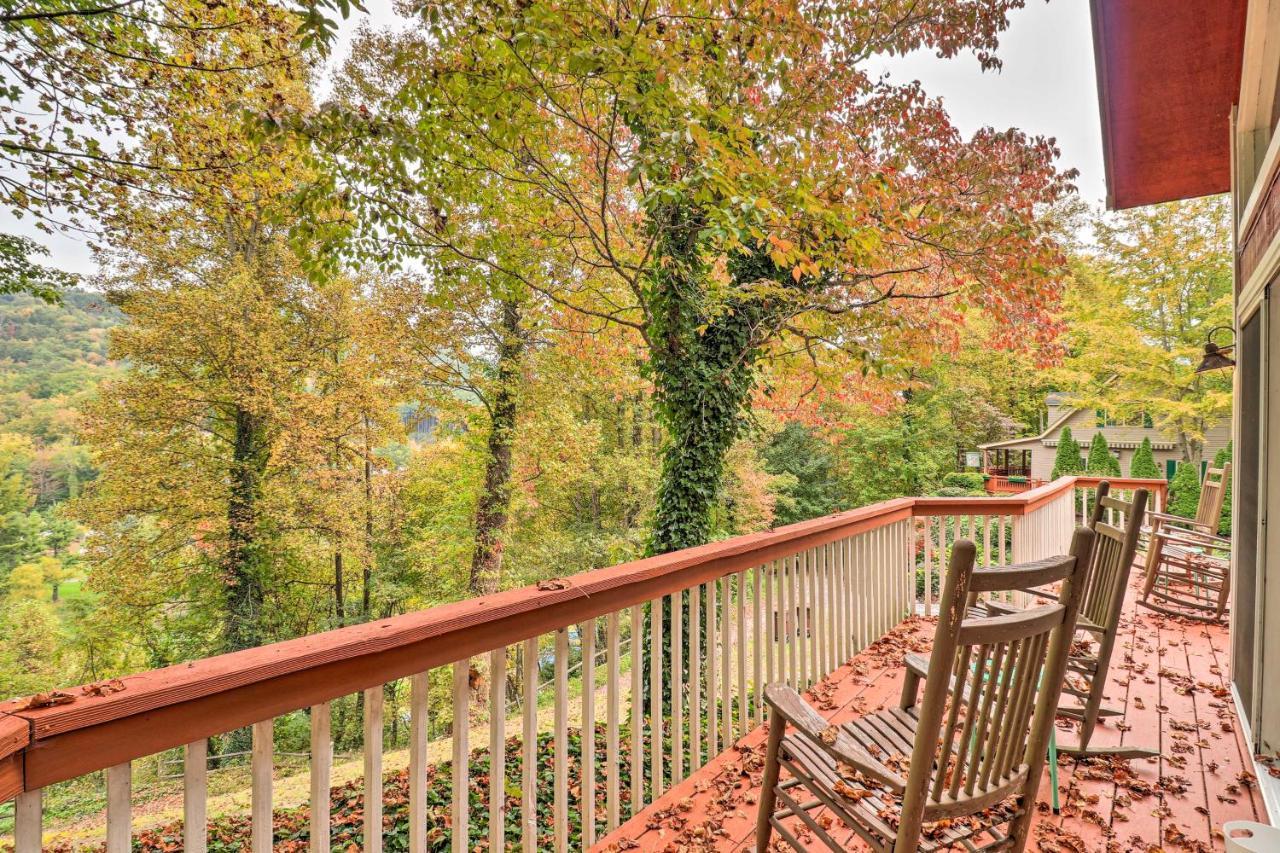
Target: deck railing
(790,604)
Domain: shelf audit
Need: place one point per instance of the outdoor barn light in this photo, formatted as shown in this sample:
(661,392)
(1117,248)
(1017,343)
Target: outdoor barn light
(1215,357)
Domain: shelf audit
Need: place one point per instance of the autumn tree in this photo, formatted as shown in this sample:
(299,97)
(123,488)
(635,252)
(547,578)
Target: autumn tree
(244,431)
(731,187)
(1139,311)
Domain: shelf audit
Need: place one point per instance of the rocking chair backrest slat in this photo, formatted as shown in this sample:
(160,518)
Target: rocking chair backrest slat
(1213,493)
(1113,553)
(977,728)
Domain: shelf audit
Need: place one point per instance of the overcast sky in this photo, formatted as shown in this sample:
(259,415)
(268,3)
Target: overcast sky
(1046,87)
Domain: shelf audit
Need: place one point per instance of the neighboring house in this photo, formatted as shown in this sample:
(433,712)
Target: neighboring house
(1032,457)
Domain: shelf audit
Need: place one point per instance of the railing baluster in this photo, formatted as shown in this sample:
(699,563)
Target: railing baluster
(817,595)
(813,572)
(789,621)
(713,738)
(831,606)
(529,760)
(770,623)
(119,808)
(847,601)
(373,769)
(28,823)
(321,770)
(587,774)
(758,642)
(195,796)
(560,770)
(928,565)
(461,755)
(613,702)
(802,620)
(262,761)
(655,698)
(497,749)
(695,678)
(419,694)
(740,638)
(637,709)
(677,687)
(726,664)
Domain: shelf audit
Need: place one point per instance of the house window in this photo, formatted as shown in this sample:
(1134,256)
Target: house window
(1103,418)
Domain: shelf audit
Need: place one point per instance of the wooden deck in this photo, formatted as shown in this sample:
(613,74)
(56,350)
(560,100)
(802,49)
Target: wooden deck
(1170,676)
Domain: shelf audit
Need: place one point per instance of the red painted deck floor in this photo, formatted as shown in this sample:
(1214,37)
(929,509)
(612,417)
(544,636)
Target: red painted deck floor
(1170,675)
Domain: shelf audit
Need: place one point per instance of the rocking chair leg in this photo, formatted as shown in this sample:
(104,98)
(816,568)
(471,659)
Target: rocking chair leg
(768,794)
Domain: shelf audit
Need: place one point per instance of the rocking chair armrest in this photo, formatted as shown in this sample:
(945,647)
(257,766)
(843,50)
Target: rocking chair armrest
(1174,519)
(1195,538)
(811,725)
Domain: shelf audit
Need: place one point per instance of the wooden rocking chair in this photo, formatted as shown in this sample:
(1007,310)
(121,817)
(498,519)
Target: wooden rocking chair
(976,753)
(1100,607)
(1188,563)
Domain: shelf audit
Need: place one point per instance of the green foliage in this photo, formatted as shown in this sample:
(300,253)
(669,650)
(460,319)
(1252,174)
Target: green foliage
(970,481)
(1144,464)
(1101,463)
(1067,459)
(814,487)
(1221,458)
(1184,490)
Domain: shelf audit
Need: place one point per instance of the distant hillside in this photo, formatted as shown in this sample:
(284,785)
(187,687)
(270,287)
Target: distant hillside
(51,359)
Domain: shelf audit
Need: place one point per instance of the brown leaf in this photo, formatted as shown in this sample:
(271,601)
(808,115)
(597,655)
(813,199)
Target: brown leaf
(46,700)
(552,584)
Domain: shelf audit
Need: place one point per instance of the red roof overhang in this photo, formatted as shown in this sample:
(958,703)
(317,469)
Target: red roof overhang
(1168,74)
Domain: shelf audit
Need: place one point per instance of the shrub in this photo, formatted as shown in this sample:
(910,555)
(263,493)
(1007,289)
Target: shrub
(953,492)
(1184,490)
(970,480)
(1101,463)
(1067,460)
(1144,463)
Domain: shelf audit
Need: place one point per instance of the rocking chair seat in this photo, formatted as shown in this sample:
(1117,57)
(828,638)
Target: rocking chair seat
(889,734)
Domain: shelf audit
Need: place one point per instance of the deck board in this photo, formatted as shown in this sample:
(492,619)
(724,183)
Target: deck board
(1169,675)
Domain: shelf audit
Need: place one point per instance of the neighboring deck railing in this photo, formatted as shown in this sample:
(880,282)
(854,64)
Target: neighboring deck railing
(790,604)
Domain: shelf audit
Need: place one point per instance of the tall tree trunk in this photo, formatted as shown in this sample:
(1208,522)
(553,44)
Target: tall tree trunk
(339,594)
(494,505)
(243,628)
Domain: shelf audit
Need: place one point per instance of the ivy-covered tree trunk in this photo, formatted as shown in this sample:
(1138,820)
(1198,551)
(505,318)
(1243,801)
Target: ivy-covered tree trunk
(243,628)
(494,505)
(702,359)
